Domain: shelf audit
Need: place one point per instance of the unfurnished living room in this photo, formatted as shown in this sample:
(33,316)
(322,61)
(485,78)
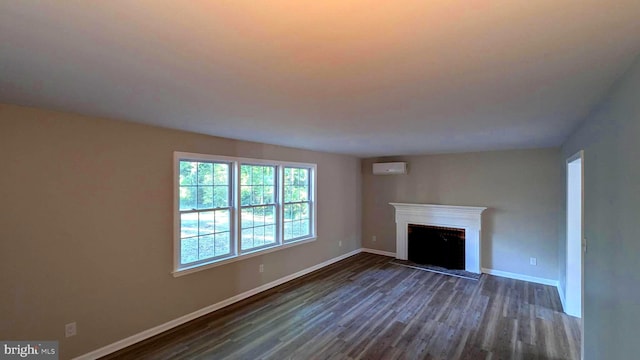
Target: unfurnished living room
(320,179)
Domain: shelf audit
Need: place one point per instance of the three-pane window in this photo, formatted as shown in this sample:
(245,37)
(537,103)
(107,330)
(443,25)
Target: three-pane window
(229,207)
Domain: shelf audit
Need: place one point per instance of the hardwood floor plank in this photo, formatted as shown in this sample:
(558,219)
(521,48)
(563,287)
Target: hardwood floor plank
(366,308)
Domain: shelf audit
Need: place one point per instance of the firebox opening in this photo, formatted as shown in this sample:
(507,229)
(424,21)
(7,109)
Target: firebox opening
(435,245)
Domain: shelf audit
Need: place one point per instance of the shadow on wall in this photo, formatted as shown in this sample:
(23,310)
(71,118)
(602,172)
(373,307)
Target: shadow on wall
(488,226)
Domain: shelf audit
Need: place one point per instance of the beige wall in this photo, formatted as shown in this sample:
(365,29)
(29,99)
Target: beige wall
(86,227)
(521,189)
(610,138)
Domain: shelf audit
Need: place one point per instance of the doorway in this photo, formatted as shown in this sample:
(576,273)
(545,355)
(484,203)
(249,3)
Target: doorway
(575,244)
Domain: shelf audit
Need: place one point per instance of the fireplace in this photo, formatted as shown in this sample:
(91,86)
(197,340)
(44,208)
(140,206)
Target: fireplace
(467,218)
(436,245)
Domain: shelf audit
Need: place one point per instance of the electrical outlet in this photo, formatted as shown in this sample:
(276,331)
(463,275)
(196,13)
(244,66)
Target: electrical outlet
(261,269)
(533,261)
(70,329)
(340,243)
(374,238)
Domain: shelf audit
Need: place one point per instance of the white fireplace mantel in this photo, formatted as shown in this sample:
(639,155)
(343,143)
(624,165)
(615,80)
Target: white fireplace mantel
(461,217)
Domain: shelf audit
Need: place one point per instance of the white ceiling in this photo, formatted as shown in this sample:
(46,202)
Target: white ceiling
(360,77)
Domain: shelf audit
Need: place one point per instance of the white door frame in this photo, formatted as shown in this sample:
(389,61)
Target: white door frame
(576,245)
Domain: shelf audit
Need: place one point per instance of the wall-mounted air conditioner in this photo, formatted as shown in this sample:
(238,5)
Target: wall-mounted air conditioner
(389,168)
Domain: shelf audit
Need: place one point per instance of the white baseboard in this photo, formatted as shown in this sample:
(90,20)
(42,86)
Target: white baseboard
(379,252)
(119,345)
(528,278)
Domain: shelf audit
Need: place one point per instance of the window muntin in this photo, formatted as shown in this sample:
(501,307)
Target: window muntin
(205,212)
(258,206)
(297,203)
(212,199)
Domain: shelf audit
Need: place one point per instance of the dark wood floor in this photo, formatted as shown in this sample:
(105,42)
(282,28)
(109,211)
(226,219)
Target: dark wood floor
(366,308)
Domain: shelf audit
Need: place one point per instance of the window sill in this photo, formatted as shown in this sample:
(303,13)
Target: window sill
(215,263)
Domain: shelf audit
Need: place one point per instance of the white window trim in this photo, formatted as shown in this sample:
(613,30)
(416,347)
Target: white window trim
(310,201)
(235,230)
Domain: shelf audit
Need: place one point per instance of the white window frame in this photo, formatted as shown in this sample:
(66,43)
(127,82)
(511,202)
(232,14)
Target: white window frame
(277,204)
(235,206)
(309,201)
